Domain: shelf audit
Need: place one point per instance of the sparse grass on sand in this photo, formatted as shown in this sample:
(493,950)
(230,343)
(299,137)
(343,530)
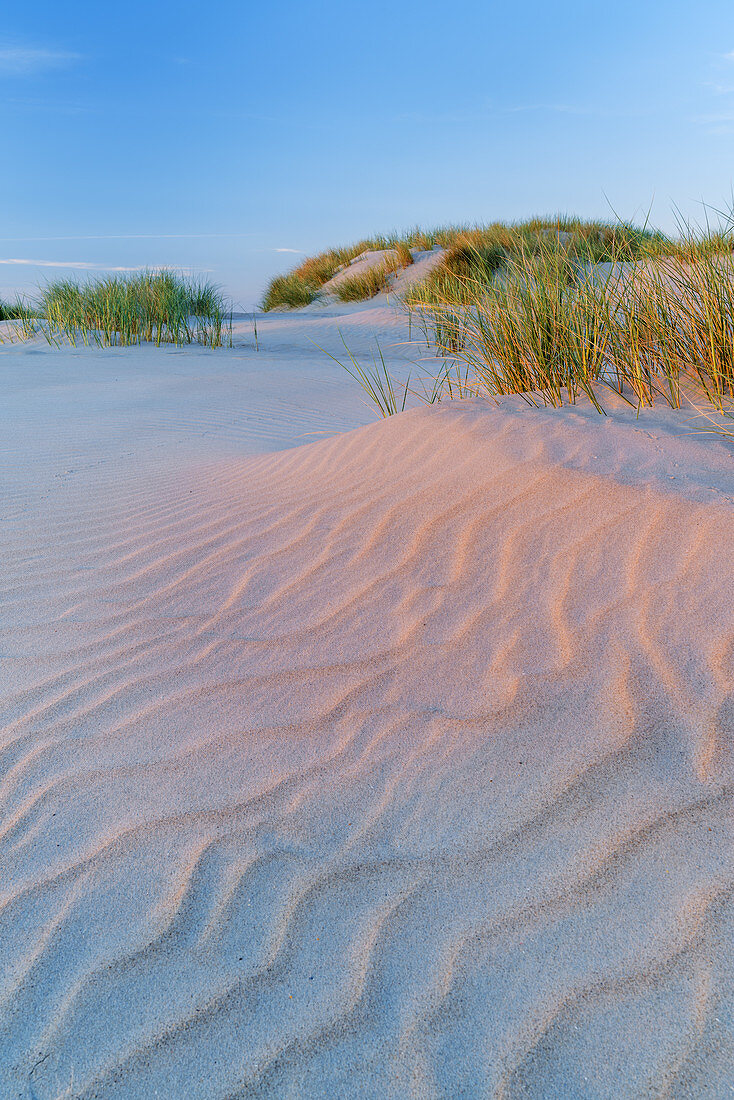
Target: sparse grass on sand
(554,318)
(376,381)
(158,307)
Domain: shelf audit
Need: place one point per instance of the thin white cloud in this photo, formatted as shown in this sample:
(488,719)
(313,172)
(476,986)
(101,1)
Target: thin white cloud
(83,265)
(27,60)
(717,88)
(728,56)
(298,251)
(133,237)
(76,264)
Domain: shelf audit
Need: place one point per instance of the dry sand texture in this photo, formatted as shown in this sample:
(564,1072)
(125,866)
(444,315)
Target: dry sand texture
(393,765)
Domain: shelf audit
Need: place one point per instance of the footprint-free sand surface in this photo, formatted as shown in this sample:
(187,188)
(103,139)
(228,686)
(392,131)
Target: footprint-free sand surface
(358,759)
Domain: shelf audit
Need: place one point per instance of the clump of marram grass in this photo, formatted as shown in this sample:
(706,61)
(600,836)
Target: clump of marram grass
(11,311)
(159,307)
(366,284)
(301,286)
(650,318)
(480,254)
(403,254)
(356,288)
(289,291)
(673,325)
(23,320)
(553,328)
(538,331)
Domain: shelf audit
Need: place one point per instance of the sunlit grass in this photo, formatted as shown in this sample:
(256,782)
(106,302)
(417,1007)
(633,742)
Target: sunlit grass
(356,288)
(12,311)
(375,380)
(289,292)
(483,253)
(556,321)
(22,318)
(476,251)
(157,307)
(303,284)
(552,328)
(537,331)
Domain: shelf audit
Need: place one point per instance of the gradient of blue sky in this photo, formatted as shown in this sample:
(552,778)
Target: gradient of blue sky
(211,135)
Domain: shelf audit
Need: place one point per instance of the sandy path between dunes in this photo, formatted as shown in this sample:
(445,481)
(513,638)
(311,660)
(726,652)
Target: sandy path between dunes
(395,765)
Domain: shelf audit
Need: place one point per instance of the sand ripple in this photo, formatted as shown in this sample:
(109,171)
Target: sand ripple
(395,766)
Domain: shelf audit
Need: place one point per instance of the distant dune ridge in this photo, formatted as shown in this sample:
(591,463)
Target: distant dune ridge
(398,764)
(459,253)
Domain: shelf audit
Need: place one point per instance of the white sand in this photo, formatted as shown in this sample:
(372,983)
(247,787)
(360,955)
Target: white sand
(394,765)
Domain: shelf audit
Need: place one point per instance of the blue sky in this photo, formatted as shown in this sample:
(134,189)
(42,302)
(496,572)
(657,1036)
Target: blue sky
(211,136)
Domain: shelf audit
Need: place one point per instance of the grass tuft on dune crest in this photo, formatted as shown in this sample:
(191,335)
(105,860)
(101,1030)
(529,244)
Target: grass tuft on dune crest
(477,251)
(289,292)
(303,284)
(357,288)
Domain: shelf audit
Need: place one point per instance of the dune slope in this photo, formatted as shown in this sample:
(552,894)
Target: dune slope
(396,765)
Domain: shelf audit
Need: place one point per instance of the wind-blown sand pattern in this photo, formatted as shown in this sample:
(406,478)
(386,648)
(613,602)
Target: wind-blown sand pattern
(398,764)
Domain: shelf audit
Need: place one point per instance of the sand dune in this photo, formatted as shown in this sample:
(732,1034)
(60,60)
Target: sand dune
(398,764)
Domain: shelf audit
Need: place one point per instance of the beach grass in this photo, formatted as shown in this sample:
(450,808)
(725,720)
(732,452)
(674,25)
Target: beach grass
(12,311)
(560,312)
(404,253)
(159,307)
(356,288)
(23,319)
(553,328)
(376,381)
(480,254)
(537,331)
(477,251)
(289,292)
